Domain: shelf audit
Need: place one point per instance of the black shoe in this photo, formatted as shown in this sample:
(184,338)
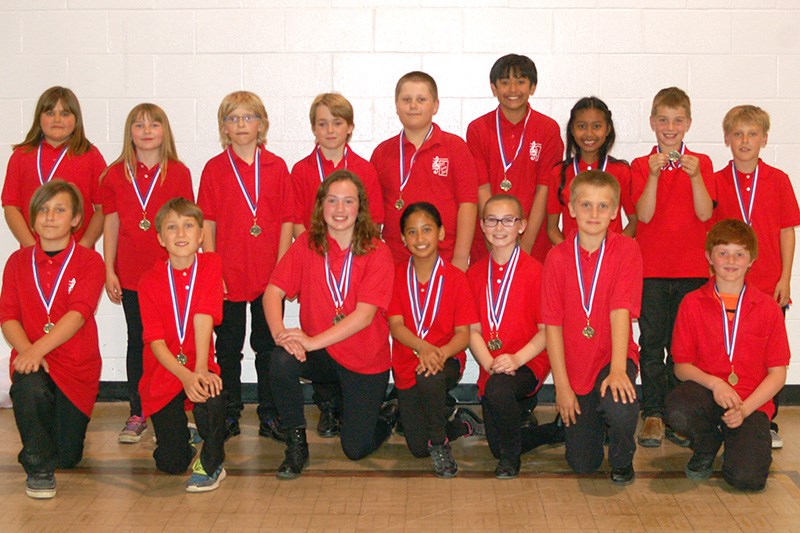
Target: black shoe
(676,438)
(472,421)
(622,476)
(559,435)
(296,454)
(390,414)
(444,465)
(329,424)
(271,428)
(700,466)
(232,427)
(507,469)
(529,420)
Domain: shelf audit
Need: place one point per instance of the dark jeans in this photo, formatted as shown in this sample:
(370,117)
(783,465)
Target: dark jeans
(229,345)
(692,411)
(173,452)
(362,395)
(424,410)
(133,358)
(51,428)
(584,438)
(660,300)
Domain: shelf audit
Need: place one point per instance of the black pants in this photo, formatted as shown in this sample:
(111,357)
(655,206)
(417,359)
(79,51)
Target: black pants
(692,411)
(133,357)
(660,300)
(362,395)
(229,345)
(173,452)
(584,438)
(51,428)
(424,410)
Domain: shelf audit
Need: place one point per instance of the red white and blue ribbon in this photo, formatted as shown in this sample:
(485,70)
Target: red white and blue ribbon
(42,179)
(339,288)
(143,201)
(251,203)
(599,167)
(506,163)
(673,164)
(497,308)
(404,176)
(730,336)
(181,319)
(420,312)
(746,214)
(47,301)
(318,153)
(587,305)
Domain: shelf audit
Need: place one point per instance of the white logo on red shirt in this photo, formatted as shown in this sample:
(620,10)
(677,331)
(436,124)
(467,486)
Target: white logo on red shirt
(440,166)
(535,150)
(70,286)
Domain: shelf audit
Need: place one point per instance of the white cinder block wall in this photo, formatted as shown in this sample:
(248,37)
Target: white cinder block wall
(186,55)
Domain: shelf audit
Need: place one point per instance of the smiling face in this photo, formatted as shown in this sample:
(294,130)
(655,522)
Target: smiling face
(512,93)
(593,209)
(590,130)
(181,236)
(416,105)
(670,124)
(421,235)
(340,207)
(745,141)
(146,134)
(502,224)
(55,221)
(730,263)
(57,124)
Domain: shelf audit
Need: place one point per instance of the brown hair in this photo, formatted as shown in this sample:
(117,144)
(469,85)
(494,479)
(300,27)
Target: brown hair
(417,76)
(180,206)
(46,192)
(338,105)
(502,197)
(78,144)
(745,114)
(732,231)
(249,101)
(672,97)
(595,178)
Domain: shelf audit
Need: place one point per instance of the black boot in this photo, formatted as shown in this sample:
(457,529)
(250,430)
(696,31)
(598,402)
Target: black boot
(296,454)
(328,425)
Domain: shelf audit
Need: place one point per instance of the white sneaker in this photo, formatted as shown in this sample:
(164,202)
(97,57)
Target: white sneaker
(777,441)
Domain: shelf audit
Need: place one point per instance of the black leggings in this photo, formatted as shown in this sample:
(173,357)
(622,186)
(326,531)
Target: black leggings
(133,355)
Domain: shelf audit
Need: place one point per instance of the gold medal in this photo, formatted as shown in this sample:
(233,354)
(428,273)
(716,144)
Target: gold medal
(338,318)
(399,204)
(733,379)
(674,156)
(48,327)
(255,231)
(588,331)
(181,358)
(144,224)
(494,344)
(505,185)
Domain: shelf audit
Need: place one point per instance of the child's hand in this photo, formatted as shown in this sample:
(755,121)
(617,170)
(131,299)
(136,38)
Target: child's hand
(504,364)
(113,288)
(294,348)
(430,359)
(567,405)
(725,396)
(620,385)
(782,292)
(27,362)
(656,162)
(733,418)
(194,388)
(212,383)
(691,165)
(297,335)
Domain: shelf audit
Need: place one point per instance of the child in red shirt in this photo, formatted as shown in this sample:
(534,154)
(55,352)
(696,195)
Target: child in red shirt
(672,188)
(49,297)
(341,273)
(508,342)
(181,300)
(55,147)
(424,163)
(592,288)
(134,187)
(429,319)
(590,137)
(731,352)
(514,148)
(245,195)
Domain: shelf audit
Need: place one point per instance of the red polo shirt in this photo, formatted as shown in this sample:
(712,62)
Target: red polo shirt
(158,385)
(301,274)
(456,308)
(618,169)
(775,208)
(619,286)
(673,242)
(760,344)
(523,310)
(443,174)
(247,261)
(75,365)
(543,148)
(138,250)
(306,180)
(22,178)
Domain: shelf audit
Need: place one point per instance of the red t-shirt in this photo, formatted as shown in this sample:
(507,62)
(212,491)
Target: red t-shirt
(456,308)
(760,344)
(443,174)
(247,261)
(22,178)
(301,273)
(618,169)
(673,242)
(619,286)
(306,180)
(75,365)
(138,250)
(542,149)
(523,310)
(158,385)
(775,208)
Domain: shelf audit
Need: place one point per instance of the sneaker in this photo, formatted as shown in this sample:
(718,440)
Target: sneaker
(201,481)
(390,414)
(507,469)
(41,485)
(472,421)
(652,432)
(676,438)
(777,441)
(194,435)
(329,423)
(271,428)
(132,432)
(623,475)
(232,427)
(444,465)
(700,466)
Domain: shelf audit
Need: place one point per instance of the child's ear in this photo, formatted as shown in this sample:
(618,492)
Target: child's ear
(523,223)
(494,89)
(615,214)
(160,241)
(75,222)
(533,89)
(708,257)
(441,233)
(764,142)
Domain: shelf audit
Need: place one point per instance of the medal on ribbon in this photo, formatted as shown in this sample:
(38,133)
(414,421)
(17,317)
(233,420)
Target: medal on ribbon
(320,170)
(495,309)
(577,169)
(674,157)
(144,224)
(252,203)
(506,184)
(47,301)
(339,288)
(419,312)
(181,319)
(42,179)
(404,176)
(730,336)
(588,331)
(747,215)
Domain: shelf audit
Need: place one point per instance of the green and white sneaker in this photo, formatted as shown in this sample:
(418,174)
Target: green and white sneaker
(201,481)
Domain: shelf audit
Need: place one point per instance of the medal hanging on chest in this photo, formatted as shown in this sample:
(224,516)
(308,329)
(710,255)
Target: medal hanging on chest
(587,304)
(144,224)
(728,334)
(339,289)
(419,312)
(252,203)
(404,176)
(42,179)
(47,301)
(496,308)
(181,318)
(506,184)
(747,215)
